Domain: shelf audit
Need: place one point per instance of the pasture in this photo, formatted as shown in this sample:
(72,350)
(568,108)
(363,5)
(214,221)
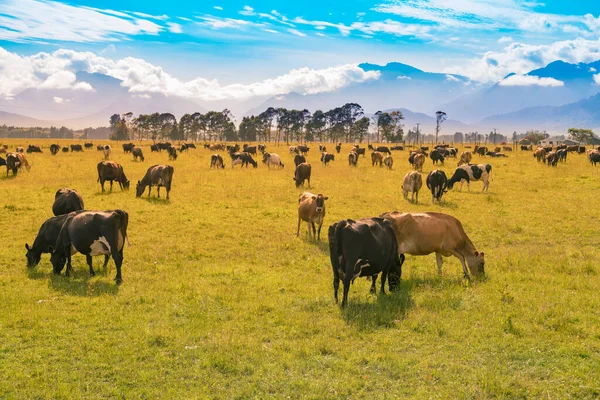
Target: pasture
(221,300)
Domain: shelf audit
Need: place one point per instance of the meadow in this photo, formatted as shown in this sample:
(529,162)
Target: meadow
(221,300)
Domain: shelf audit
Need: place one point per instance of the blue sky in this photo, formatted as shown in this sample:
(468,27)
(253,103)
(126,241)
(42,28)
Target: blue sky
(209,45)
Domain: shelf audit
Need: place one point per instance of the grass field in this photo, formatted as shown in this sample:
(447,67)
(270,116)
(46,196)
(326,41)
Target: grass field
(221,300)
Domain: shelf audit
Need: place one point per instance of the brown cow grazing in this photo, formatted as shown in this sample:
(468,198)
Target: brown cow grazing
(14,162)
(111,171)
(301,174)
(311,209)
(217,147)
(507,148)
(352,158)
(388,161)
(376,158)
(497,150)
(137,153)
(66,201)
(412,183)
(465,158)
(418,161)
(420,234)
(540,154)
(157,175)
(216,161)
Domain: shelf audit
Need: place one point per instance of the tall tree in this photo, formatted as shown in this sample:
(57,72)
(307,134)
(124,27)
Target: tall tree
(581,135)
(361,129)
(315,127)
(440,117)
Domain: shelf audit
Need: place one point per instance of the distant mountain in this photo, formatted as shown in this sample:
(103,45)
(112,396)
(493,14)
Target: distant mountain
(11,119)
(427,122)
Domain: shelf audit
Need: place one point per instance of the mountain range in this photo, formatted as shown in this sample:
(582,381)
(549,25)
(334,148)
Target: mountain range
(555,97)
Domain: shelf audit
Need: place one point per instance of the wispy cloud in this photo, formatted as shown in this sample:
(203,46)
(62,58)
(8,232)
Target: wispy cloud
(526,80)
(227,23)
(174,28)
(218,8)
(296,32)
(506,39)
(248,11)
(144,15)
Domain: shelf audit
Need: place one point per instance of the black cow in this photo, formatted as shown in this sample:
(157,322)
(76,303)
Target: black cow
(249,149)
(165,146)
(128,147)
(262,148)
(33,149)
(370,147)
(364,248)
(436,156)
(190,146)
(100,147)
(437,182)
(301,174)
(383,149)
(91,233)
(67,200)
(76,147)
(338,148)
(425,148)
(581,150)
(322,148)
(326,157)
(526,148)
(303,149)
(216,161)
(137,153)
(233,148)
(562,155)
(2,161)
(13,163)
(482,151)
(299,159)
(111,171)
(242,158)
(157,175)
(552,159)
(154,148)
(172,151)
(595,158)
(359,150)
(397,148)
(65,149)
(88,145)
(54,148)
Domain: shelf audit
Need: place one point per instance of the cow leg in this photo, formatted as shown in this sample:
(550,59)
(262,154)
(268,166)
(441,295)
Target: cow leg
(158,189)
(118,258)
(314,230)
(168,189)
(373,284)
(69,266)
(309,183)
(298,230)
(336,287)
(384,275)
(440,260)
(106,258)
(464,265)
(462,181)
(88,258)
(149,190)
(111,185)
(320,225)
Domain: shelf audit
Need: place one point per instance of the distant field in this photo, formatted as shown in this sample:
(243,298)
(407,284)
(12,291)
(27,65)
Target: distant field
(221,300)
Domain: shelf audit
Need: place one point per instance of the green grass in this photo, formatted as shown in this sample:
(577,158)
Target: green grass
(221,300)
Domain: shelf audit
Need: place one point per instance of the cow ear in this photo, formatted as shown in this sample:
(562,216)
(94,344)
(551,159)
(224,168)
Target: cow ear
(138,182)
(325,198)
(476,253)
(314,197)
(481,254)
(27,246)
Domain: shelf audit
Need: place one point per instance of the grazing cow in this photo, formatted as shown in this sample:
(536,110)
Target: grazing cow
(20,149)
(311,209)
(388,161)
(359,150)
(526,148)
(66,201)
(561,147)
(482,151)
(33,149)
(154,148)
(594,158)
(232,148)
(322,148)
(540,154)
(190,146)
(88,145)
(54,148)
(495,154)
(419,161)
(3,150)
(420,234)
(172,151)
(111,171)
(425,148)
(299,159)
(2,161)
(91,233)
(338,148)
(242,158)
(364,248)
(302,174)
(581,150)
(437,182)
(326,157)
(100,147)
(465,158)
(399,148)
(352,158)
(217,147)
(572,148)
(128,147)
(249,149)
(272,159)
(157,175)
(436,156)
(216,161)
(383,149)
(14,162)
(106,150)
(497,150)
(370,147)
(376,158)
(552,159)
(65,149)
(547,149)
(137,153)
(167,146)
(262,148)
(507,148)
(470,173)
(76,147)
(293,150)
(303,149)
(412,183)
(562,155)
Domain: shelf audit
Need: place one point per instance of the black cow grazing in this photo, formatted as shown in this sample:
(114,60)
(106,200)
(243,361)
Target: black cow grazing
(471,172)
(326,157)
(242,158)
(437,182)
(482,151)
(526,148)
(425,148)
(359,150)
(303,149)
(66,201)
(88,145)
(54,148)
(172,151)
(76,147)
(299,159)
(100,147)
(45,241)
(562,155)
(157,175)
(352,159)
(370,147)
(65,149)
(581,150)
(206,145)
(302,174)
(262,148)
(561,147)
(322,148)
(33,149)
(397,148)
(383,149)
(216,161)
(91,233)
(547,149)
(137,153)
(190,146)
(595,158)
(552,159)
(249,149)
(364,248)
(154,148)
(166,146)
(128,147)
(111,171)
(436,156)
(13,163)
(338,148)
(495,154)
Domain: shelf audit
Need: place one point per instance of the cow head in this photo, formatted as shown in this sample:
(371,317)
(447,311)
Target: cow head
(126,184)
(139,189)
(266,157)
(320,201)
(477,264)
(32,258)
(58,261)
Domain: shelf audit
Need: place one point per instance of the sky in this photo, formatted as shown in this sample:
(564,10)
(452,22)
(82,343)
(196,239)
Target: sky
(215,50)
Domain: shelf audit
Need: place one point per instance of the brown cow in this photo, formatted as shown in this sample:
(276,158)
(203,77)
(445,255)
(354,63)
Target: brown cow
(465,158)
(137,153)
(111,171)
(352,158)
(540,154)
(412,183)
(388,161)
(376,158)
(420,234)
(217,147)
(301,174)
(507,148)
(311,209)
(157,175)
(418,161)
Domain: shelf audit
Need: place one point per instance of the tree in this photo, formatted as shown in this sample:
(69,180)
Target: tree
(440,117)
(265,120)
(459,137)
(581,135)
(118,127)
(249,128)
(361,129)
(535,136)
(315,127)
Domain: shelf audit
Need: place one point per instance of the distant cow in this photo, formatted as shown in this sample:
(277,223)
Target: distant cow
(242,158)
(76,147)
(437,182)
(217,147)
(311,209)
(128,147)
(67,200)
(370,147)
(157,175)
(172,151)
(526,148)
(388,161)
(106,151)
(419,161)
(33,149)
(65,149)
(436,156)
(262,148)
(302,174)
(272,159)
(299,159)
(111,171)
(338,148)
(216,161)
(100,147)
(412,183)
(397,148)
(54,148)
(383,149)
(594,158)
(572,148)
(249,149)
(482,151)
(540,154)
(507,148)
(465,158)
(359,150)
(167,146)
(91,233)
(88,145)
(552,159)
(470,173)
(154,148)
(293,150)
(420,234)
(19,149)
(352,158)
(364,248)
(376,158)
(322,148)
(327,157)
(303,149)
(562,155)
(494,154)
(137,153)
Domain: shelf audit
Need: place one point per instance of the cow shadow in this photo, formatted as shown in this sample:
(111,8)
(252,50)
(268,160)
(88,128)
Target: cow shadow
(81,284)
(155,200)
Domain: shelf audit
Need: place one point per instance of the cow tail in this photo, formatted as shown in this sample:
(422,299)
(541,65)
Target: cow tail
(124,221)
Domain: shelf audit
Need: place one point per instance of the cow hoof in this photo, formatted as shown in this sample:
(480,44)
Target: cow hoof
(118,281)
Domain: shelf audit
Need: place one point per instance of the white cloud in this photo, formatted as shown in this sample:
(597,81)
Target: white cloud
(57,70)
(174,28)
(296,32)
(404,77)
(185,19)
(144,15)
(597,79)
(227,23)
(592,69)
(247,10)
(59,100)
(270,30)
(218,8)
(505,39)
(370,28)
(527,80)
(451,78)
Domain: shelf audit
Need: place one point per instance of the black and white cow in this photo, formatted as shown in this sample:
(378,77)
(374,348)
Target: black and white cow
(303,149)
(562,155)
(91,233)
(364,248)
(471,172)
(216,161)
(437,182)
(326,157)
(66,201)
(338,147)
(242,158)
(436,155)
(352,159)
(299,159)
